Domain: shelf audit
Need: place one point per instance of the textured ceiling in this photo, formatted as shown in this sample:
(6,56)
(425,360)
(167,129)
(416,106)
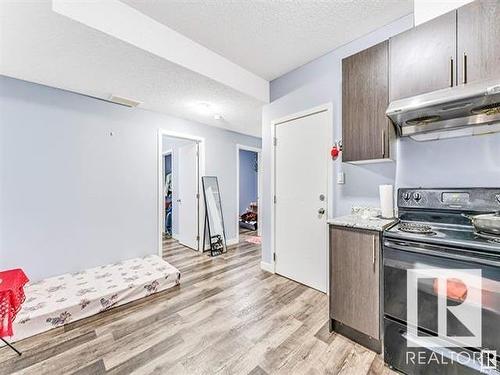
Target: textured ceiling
(273,37)
(268,38)
(41,46)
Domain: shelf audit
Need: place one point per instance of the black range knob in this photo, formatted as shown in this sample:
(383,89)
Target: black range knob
(417,197)
(406,196)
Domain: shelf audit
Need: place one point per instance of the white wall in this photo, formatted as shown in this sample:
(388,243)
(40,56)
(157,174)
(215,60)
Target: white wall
(426,10)
(313,84)
(73,196)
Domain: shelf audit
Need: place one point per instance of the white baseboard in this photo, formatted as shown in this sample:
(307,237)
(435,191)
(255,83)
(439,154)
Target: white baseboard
(269,267)
(232,241)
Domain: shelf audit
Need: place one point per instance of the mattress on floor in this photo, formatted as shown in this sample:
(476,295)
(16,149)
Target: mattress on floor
(59,300)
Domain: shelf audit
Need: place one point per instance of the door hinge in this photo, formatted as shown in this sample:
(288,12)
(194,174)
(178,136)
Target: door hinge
(275,141)
(197,238)
(197,196)
(275,200)
(274,257)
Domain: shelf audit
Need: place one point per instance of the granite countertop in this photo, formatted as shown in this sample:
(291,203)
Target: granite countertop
(363,218)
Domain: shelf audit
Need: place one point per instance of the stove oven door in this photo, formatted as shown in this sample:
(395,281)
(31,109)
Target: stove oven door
(401,256)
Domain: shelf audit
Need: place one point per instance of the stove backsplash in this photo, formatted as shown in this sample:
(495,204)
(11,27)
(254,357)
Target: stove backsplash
(458,162)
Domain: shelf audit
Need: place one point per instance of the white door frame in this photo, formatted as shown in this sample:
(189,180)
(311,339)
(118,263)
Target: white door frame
(258,151)
(163,154)
(308,112)
(159,193)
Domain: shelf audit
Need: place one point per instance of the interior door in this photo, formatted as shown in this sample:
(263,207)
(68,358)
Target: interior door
(301,230)
(187,195)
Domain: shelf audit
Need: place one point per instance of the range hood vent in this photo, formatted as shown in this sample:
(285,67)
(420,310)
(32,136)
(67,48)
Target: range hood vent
(448,109)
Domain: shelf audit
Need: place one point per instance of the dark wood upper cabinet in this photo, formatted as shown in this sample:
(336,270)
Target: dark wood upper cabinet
(355,279)
(478,41)
(423,59)
(365,97)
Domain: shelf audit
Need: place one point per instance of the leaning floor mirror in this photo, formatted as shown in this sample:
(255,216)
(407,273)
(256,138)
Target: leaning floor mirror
(214,220)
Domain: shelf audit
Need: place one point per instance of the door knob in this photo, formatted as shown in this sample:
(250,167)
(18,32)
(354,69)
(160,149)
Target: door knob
(321,211)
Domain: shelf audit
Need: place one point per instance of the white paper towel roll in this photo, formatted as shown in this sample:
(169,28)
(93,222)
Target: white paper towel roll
(386,200)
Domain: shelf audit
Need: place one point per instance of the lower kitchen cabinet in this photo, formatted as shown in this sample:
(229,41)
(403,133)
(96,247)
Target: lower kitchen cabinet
(355,285)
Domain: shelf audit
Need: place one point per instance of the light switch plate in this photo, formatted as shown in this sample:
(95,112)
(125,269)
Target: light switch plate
(340,178)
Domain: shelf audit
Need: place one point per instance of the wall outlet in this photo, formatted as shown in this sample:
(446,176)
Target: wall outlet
(340,178)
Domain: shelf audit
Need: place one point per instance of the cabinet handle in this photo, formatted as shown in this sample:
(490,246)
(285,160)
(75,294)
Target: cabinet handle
(464,72)
(373,252)
(451,71)
(383,144)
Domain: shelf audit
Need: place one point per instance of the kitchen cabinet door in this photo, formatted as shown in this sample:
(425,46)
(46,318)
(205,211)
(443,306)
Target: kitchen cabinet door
(479,41)
(354,279)
(423,59)
(365,97)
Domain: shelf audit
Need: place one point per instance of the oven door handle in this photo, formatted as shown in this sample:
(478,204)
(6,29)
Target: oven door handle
(404,246)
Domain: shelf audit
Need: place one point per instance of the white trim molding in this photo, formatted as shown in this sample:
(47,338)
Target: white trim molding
(268,267)
(159,192)
(321,108)
(259,186)
(232,241)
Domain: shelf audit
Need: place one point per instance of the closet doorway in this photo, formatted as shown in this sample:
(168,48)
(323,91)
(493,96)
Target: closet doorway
(181,165)
(248,192)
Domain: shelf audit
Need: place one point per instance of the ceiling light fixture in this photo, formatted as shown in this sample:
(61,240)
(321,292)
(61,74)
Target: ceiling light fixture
(207,109)
(204,108)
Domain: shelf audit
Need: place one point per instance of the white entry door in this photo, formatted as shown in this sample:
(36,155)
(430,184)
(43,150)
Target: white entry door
(187,195)
(301,231)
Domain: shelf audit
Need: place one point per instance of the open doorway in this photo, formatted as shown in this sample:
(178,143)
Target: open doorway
(248,193)
(180,168)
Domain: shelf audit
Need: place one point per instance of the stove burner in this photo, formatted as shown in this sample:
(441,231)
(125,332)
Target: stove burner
(416,228)
(489,237)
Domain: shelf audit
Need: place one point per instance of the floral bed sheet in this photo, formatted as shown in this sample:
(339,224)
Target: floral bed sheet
(59,300)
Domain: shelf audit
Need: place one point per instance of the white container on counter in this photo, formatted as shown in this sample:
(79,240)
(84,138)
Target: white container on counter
(387,201)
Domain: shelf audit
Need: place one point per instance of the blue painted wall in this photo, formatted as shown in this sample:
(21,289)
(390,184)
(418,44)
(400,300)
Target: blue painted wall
(457,162)
(316,83)
(248,179)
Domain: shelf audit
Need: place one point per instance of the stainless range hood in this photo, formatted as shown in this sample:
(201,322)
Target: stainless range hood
(448,109)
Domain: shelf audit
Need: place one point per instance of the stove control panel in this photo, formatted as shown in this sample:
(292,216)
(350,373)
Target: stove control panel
(469,199)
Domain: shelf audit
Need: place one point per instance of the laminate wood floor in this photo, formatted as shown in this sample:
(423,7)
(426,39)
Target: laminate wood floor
(227,317)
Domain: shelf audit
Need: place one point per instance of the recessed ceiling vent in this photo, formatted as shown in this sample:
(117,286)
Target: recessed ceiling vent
(124,101)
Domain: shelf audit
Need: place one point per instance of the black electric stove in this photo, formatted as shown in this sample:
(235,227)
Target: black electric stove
(436,216)
(434,233)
